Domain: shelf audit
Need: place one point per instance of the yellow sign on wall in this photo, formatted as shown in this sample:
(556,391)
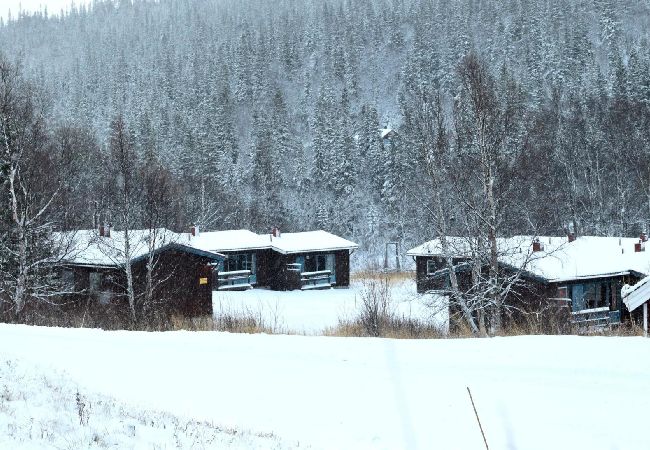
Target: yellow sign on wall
(203,281)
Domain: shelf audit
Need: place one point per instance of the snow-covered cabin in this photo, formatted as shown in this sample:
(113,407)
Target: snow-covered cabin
(588,272)
(93,263)
(387,134)
(281,261)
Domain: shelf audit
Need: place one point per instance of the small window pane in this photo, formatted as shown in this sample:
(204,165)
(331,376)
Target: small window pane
(431,266)
(95,281)
(68,280)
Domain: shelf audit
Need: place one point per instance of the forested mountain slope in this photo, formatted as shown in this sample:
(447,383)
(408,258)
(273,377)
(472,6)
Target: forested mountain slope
(268,112)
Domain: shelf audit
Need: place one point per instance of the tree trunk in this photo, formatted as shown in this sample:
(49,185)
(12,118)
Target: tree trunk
(455,291)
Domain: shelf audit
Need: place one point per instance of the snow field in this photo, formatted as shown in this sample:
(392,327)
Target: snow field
(312,312)
(45,409)
(531,392)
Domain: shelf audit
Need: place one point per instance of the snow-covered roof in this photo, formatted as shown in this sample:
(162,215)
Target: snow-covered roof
(87,247)
(228,241)
(310,241)
(559,260)
(235,240)
(385,132)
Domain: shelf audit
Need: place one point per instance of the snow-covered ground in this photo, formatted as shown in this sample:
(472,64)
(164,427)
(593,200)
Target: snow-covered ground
(537,392)
(44,409)
(311,312)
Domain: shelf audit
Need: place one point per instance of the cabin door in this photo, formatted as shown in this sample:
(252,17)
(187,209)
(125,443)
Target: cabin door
(301,260)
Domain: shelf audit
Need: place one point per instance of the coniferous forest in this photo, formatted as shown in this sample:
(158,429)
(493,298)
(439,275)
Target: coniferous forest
(253,113)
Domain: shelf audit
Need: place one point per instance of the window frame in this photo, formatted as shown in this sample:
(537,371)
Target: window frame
(431,262)
(94,282)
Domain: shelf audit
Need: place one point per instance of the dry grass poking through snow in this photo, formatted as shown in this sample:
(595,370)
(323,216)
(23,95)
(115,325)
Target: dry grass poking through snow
(391,277)
(377,316)
(241,321)
(394,328)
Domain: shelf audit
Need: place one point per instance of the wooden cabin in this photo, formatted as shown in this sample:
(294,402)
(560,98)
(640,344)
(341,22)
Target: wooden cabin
(586,273)
(94,279)
(279,261)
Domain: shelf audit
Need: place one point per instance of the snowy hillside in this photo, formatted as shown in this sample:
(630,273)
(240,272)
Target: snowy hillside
(351,393)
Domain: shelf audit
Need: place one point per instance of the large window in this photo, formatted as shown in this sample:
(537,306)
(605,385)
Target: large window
(597,294)
(242,261)
(314,263)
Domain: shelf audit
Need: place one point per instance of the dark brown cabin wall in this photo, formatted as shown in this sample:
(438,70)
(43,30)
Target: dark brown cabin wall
(264,261)
(421,273)
(422,280)
(177,288)
(342,267)
(181,292)
(532,307)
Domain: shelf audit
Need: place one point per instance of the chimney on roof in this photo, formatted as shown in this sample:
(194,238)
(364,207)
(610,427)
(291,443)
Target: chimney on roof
(537,246)
(194,230)
(275,232)
(639,246)
(572,237)
(105,230)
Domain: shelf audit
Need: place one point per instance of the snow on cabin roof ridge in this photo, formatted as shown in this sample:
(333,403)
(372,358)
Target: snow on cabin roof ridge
(87,247)
(310,241)
(385,131)
(229,240)
(558,260)
(297,242)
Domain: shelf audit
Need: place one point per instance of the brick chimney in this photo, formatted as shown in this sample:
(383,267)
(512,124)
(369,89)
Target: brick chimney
(105,230)
(275,232)
(639,246)
(194,230)
(537,246)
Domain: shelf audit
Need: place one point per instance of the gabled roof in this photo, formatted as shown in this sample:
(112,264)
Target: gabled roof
(286,243)
(88,248)
(386,132)
(559,260)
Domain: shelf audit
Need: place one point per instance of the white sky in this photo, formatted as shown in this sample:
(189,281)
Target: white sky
(53,6)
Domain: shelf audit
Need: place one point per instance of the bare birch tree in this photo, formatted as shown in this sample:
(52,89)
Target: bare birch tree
(123,164)
(486,121)
(29,249)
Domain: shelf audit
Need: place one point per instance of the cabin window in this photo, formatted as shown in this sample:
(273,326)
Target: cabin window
(562,292)
(94,281)
(593,295)
(242,261)
(315,263)
(67,279)
(432,266)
